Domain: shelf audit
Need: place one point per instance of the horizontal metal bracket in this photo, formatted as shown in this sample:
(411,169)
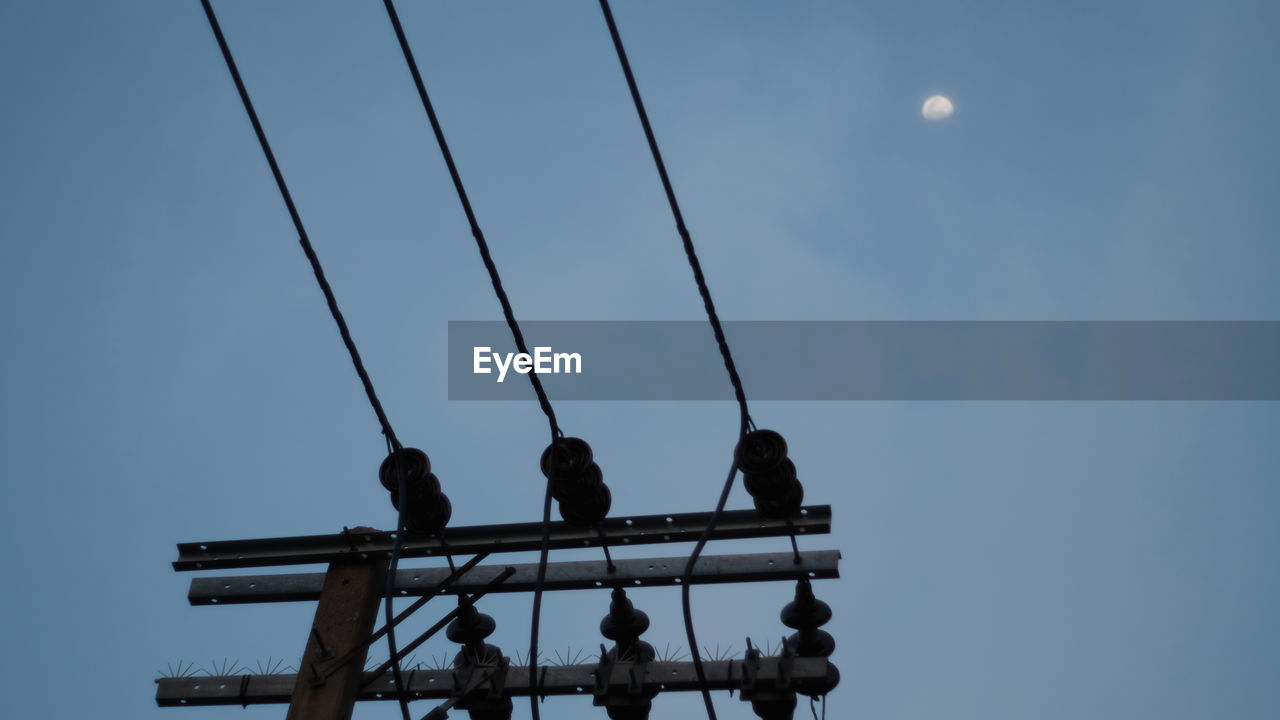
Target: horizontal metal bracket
(515,537)
(581,575)
(439,684)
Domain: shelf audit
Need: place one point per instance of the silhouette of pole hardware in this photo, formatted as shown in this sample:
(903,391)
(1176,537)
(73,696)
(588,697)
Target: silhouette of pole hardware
(626,680)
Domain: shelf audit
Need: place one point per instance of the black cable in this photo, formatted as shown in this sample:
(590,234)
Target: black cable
(393,443)
(723,344)
(303,239)
(495,279)
(689,250)
(481,244)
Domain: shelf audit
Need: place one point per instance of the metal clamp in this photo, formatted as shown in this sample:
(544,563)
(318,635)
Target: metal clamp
(498,678)
(750,668)
(603,673)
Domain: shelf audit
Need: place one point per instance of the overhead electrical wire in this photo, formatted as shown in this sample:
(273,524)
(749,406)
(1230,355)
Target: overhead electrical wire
(393,443)
(496,280)
(303,239)
(721,342)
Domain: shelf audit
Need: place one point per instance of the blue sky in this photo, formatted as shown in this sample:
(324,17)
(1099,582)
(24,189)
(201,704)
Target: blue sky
(169,372)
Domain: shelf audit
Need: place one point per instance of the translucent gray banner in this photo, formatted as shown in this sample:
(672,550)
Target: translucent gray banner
(803,360)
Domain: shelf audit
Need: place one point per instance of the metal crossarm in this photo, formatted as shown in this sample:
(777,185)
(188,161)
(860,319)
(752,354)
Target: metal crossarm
(581,575)
(515,537)
(440,684)
(331,680)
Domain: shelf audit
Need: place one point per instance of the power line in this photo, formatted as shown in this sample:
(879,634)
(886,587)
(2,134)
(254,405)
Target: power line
(495,279)
(718,331)
(513,325)
(481,244)
(303,239)
(393,443)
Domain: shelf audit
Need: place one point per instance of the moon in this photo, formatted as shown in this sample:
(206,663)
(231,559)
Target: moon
(937,107)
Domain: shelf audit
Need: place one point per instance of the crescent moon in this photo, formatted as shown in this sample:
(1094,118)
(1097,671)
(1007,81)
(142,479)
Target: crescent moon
(937,107)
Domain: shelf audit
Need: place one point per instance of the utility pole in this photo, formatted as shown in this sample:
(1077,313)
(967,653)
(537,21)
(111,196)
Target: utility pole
(344,617)
(623,680)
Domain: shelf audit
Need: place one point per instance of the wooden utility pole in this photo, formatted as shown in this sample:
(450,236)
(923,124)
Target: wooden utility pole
(333,662)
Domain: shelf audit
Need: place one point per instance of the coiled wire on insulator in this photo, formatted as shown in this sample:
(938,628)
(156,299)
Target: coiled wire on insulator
(577,483)
(428,509)
(769,475)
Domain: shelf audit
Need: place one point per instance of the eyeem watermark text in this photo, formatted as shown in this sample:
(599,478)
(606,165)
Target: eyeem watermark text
(869,360)
(543,361)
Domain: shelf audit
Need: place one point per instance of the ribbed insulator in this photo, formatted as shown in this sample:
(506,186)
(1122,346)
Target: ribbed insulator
(577,482)
(427,510)
(769,475)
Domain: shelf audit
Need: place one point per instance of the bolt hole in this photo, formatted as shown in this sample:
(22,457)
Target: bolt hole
(629,523)
(803,511)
